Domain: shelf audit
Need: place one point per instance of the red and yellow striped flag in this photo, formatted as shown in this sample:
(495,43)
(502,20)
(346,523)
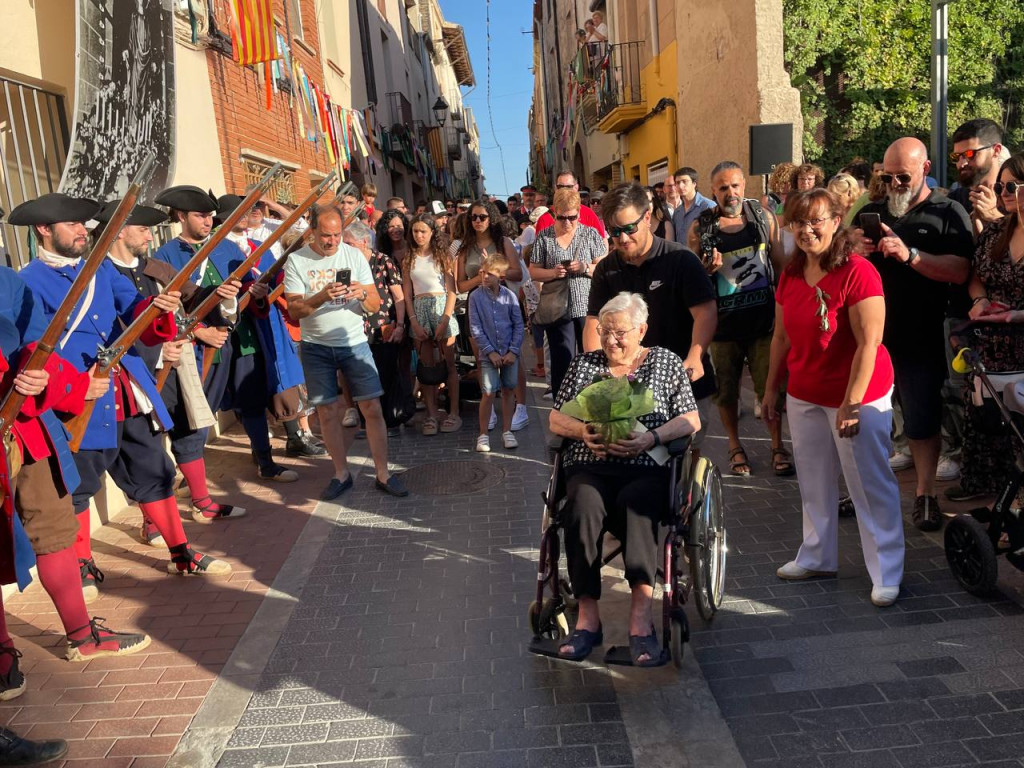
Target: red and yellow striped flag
(252,34)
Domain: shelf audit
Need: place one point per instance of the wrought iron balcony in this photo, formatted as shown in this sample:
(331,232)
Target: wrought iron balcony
(620,98)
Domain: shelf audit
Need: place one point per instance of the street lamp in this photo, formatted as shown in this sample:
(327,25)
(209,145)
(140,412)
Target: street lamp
(940,87)
(440,109)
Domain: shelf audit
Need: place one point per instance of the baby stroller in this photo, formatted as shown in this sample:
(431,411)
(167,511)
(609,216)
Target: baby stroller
(694,554)
(974,540)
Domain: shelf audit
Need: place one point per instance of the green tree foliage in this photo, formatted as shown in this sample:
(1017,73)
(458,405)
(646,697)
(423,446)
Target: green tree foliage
(863,71)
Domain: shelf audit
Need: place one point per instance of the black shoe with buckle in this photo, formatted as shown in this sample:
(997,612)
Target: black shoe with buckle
(116,643)
(91,576)
(12,684)
(926,513)
(15,750)
(185,560)
(304,444)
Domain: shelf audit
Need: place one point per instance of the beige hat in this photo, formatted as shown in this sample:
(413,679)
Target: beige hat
(536,213)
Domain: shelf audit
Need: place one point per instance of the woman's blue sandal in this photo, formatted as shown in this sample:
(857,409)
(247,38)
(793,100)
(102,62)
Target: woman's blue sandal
(640,645)
(583,642)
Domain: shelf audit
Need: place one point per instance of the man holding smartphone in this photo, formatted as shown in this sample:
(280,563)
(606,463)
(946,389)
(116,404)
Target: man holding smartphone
(925,246)
(329,288)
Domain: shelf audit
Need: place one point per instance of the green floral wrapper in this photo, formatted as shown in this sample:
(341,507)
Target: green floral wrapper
(612,405)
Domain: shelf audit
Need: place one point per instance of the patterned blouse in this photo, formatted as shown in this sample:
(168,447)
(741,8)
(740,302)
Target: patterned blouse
(661,371)
(385,275)
(1000,346)
(586,246)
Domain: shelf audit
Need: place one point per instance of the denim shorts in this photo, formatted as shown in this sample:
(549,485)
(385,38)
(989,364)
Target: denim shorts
(493,380)
(321,364)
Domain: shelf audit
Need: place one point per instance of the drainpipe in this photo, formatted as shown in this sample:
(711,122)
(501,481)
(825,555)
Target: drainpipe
(652,6)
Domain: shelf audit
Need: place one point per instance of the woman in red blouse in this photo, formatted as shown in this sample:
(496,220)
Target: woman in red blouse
(829,317)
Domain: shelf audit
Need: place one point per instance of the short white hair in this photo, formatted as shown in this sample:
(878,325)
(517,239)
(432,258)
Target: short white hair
(359,232)
(631,303)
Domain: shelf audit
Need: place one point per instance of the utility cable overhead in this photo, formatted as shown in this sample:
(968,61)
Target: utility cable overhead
(490,114)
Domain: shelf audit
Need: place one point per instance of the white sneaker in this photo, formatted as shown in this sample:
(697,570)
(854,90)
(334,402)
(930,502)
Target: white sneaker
(948,469)
(351,418)
(900,460)
(483,444)
(757,409)
(793,572)
(520,418)
(509,440)
(884,596)
(493,422)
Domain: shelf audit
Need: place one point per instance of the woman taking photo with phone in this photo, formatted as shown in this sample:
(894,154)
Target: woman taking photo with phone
(996,288)
(829,317)
(428,284)
(563,258)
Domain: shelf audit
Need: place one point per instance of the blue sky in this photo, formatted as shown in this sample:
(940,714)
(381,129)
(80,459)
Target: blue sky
(511,84)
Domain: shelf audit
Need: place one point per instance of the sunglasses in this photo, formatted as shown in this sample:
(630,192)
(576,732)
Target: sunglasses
(1011,187)
(902,178)
(479,217)
(568,218)
(628,229)
(564,186)
(968,154)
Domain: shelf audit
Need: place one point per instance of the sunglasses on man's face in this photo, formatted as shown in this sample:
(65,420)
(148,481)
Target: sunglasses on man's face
(902,178)
(1010,187)
(479,217)
(968,154)
(627,229)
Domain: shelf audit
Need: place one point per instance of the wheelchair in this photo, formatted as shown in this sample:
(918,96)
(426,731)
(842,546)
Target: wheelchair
(973,541)
(694,551)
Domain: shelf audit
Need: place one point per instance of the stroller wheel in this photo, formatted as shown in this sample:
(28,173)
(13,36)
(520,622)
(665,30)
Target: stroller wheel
(677,641)
(971,555)
(548,620)
(846,508)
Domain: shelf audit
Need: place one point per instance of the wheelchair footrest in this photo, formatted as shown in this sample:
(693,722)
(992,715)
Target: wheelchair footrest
(620,656)
(545,647)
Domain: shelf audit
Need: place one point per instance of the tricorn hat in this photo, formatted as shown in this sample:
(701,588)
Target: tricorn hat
(53,208)
(226,205)
(185,197)
(141,215)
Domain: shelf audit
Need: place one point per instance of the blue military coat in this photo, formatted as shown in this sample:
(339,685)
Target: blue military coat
(283,367)
(114,300)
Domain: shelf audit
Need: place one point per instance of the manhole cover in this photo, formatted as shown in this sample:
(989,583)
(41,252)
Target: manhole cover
(452,478)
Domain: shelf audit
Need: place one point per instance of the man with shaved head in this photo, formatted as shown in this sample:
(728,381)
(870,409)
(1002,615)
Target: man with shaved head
(926,247)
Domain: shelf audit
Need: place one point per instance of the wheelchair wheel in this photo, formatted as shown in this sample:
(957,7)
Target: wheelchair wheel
(708,544)
(548,620)
(971,555)
(677,641)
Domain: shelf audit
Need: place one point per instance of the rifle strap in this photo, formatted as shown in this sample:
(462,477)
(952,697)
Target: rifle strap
(83,310)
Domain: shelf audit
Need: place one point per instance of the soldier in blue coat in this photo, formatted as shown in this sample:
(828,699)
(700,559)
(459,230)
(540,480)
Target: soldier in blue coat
(123,433)
(40,491)
(245,368)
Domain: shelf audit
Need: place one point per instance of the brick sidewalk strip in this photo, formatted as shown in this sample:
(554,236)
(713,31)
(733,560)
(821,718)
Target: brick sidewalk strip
(120,712)
(811,674)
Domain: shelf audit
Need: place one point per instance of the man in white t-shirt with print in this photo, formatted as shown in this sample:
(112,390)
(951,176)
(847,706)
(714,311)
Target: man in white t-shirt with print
(330,316)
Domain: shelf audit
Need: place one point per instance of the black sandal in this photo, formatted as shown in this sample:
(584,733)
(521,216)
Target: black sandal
(583,642)
(640,645)
(737,466)
(783,466)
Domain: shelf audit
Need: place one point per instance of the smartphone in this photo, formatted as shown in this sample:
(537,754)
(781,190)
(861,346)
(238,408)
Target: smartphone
(871,223)
(566,263)
(344,276)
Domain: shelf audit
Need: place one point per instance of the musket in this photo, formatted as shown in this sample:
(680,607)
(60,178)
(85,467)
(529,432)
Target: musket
(188,323)
(13,401)
(108,357)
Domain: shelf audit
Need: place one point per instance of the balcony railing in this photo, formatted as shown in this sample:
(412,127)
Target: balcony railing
(620,83)
(399,109)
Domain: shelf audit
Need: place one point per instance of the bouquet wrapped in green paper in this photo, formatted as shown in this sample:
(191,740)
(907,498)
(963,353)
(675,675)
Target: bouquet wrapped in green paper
(612,405)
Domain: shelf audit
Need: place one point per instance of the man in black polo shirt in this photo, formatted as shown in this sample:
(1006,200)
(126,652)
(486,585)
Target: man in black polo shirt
(669,277)
(927,246)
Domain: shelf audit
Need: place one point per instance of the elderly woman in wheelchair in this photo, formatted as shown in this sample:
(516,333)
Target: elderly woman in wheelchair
(615,486)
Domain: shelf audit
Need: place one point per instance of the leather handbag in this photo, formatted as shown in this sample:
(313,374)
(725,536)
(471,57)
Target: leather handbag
(431,368)
(554,302)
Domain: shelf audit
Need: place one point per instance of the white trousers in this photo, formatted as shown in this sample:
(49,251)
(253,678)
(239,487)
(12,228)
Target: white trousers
(820,454)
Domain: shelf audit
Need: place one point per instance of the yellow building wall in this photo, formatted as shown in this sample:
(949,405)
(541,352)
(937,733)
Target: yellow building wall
(655,140)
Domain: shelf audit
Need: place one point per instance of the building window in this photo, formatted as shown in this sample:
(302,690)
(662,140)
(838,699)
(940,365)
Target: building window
(295,19)
(283,187)
(657,172)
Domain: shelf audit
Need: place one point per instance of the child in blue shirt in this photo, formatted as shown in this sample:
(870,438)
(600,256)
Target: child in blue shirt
(496,324)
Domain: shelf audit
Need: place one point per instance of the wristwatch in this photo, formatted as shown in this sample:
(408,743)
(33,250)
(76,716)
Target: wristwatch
(365,294)
(914,254)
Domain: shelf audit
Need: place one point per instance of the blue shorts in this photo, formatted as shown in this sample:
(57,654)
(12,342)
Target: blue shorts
(493,380)
(321,364)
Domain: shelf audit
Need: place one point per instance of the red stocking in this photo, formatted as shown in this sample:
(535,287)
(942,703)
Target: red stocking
(195,476)
(164,515)
(83,541)
(60,577)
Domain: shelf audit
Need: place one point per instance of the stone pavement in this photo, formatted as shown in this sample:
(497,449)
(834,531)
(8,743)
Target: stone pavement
(391,633)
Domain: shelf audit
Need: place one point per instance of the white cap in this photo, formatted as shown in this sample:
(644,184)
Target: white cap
(536,213)
(437,208)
